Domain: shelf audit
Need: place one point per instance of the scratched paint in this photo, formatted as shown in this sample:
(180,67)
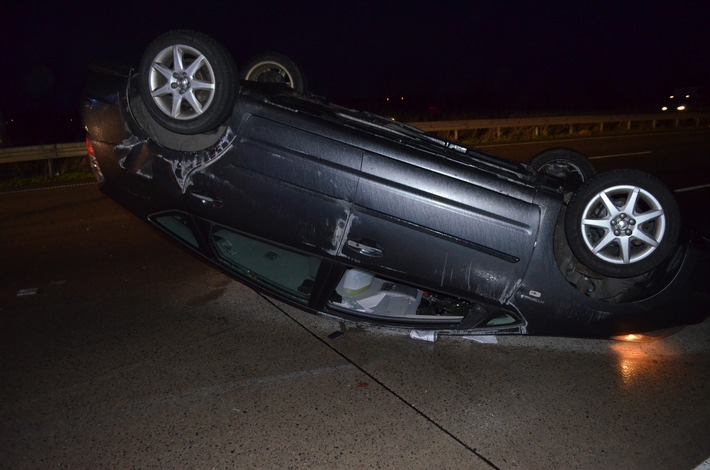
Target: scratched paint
(189,163)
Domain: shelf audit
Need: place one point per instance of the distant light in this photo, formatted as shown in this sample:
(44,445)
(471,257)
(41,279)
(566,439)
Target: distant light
(681,108)
(672,96)
(687,96)
(665,108)
(387,99)
(401,98)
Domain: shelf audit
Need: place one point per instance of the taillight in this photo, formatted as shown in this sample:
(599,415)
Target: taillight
(93,161)
(89,147)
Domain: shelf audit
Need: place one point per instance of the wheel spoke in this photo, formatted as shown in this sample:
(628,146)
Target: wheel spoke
(631,201)
(644,237)
(195,66)
(625,247)
(608,239)
(596,223)
(647,216)
(201,85)
(163,70)
(162,91)
(190,98)
(177,102)
(609,205)
(177,58)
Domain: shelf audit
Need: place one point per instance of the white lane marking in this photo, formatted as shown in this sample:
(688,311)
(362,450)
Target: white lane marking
(692,188)
(679,190)
(646,152)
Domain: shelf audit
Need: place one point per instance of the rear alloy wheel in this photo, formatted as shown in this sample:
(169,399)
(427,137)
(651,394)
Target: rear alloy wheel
(188,82)
(622,223)
(564,163)
(271,67)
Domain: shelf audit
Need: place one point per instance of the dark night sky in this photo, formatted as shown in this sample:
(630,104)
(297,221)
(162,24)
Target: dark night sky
(524,56)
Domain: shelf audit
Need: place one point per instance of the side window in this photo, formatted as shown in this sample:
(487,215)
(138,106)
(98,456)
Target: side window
(364,294)
(275,268)
(178,225)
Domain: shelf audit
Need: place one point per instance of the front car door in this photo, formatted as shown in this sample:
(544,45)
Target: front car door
(448,225)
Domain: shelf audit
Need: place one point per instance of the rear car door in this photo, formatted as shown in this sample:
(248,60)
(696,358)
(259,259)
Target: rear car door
(284,184)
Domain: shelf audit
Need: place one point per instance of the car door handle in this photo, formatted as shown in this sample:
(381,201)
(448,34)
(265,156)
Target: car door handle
(206,198)
(365,247)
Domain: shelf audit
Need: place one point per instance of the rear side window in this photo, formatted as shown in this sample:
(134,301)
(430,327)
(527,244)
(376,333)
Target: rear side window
(178,225)
(275,268)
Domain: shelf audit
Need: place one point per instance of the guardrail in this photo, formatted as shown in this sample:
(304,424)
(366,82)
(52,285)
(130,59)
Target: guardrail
(537,123)
(43,152)
(78,149)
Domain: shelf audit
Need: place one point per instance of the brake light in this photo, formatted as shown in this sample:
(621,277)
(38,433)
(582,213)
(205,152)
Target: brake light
(89,147)
(93,161)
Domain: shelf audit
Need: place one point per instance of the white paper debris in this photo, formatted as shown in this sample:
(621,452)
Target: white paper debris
(29,291)
(423,335)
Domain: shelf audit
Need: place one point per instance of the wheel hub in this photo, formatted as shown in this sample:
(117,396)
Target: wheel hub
(622,225)
(182,82)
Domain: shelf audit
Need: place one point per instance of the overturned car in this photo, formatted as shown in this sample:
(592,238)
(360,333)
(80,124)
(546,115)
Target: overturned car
(356,216)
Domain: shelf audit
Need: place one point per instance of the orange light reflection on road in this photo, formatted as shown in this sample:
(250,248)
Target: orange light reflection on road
(635,361)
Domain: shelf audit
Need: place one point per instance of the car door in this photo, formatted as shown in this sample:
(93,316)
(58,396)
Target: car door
(441,223)
(282,183)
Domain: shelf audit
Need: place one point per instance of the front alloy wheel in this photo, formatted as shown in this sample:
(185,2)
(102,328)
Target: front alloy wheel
(622,223)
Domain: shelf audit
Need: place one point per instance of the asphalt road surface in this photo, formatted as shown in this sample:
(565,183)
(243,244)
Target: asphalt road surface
(119,350)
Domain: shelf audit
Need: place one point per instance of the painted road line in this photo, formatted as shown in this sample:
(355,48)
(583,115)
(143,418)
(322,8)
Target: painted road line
(598,157)
(692,188)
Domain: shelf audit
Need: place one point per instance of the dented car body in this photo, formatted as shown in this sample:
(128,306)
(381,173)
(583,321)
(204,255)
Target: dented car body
(351,215)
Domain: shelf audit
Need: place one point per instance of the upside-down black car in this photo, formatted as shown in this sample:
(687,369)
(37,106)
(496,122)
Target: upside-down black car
(356,216)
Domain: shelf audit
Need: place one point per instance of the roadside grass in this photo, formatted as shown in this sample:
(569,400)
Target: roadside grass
(45,173)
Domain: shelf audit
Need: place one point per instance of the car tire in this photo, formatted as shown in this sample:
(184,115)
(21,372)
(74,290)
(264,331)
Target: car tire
(272,67)
(564,163)
(622,223)
(188,82)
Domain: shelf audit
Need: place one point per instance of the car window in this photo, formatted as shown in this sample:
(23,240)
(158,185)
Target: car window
(178,225)
(364,294)
(272,267)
